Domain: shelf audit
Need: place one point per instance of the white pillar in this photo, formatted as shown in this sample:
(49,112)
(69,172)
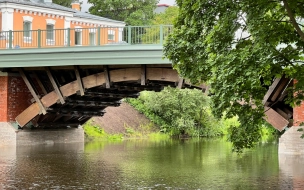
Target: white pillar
(7,19)
(120,34)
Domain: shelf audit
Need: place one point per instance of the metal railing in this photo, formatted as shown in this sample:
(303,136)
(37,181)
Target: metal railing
(69,37)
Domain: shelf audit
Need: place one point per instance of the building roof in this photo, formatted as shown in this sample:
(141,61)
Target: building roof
(76,13)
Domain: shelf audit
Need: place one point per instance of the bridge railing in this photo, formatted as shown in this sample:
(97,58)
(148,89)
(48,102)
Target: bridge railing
(69,37)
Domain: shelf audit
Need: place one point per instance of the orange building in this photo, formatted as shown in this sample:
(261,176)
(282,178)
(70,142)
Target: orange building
(40,23)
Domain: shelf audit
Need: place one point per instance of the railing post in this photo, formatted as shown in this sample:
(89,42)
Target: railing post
(10,39)
(68,37)
(129,35)
(98,36)
(39,38)
(161,34)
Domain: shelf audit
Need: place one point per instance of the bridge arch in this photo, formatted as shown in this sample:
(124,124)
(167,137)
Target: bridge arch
(101,89)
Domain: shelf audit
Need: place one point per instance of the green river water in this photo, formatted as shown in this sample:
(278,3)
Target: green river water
(144,164)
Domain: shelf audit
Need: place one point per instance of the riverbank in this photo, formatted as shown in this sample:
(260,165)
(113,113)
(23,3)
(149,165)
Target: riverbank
(121,122)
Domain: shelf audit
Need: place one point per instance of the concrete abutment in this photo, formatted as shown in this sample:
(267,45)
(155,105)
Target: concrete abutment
(11,137)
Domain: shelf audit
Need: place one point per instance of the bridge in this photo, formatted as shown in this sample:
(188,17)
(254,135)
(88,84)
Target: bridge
(63,83)
(58,85)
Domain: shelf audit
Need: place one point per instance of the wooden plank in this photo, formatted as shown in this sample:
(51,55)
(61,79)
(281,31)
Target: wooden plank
(180,83)
(143,75)
(129,74)
(79,80)
(279,89)
(270,90)
(28,114)
(275,119)
(282,113)
(107,76)
(162,74)
(31,89)
(57,90)
(40,83)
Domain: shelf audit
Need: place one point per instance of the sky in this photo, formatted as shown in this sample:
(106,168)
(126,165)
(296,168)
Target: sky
(85,6)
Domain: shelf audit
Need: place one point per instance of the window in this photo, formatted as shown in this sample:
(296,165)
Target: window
(26,29)
(50,32)
(78,36)
(111,35)
(92,39)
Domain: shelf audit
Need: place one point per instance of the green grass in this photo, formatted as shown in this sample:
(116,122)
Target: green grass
(94,132)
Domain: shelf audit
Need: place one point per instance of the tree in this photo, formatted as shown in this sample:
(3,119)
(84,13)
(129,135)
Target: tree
(65,3)
(179,112)
(152,35)
(238,47)
(133,12)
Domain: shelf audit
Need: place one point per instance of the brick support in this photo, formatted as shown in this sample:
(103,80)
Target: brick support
(14,97)
(19,97)
(3,98)
(298,114)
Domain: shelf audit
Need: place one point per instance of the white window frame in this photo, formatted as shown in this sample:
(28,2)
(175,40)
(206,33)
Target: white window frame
(78,29)
(111,33)
(28,19)
(92,31)
(50,22)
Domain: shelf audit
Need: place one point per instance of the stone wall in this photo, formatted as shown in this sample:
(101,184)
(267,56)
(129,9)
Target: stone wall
(7,135)
(291,143)
(35,137)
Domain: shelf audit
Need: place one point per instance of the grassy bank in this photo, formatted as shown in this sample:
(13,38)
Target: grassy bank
(95,132)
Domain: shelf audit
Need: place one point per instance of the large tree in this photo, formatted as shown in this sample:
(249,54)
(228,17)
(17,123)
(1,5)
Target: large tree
(238,47)
(133,12)
(166,18)
(65,3)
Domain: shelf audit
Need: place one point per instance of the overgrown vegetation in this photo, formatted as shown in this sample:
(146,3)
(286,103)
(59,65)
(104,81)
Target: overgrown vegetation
(179,112)
(187,112)
(95,132)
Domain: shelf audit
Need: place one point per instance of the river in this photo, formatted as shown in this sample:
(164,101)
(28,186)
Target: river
(144,164)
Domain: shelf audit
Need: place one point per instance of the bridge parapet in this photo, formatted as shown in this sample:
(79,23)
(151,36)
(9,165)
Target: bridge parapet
(96,36)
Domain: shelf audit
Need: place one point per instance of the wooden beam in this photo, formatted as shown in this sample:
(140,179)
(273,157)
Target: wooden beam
(180,83)
(79,80)
(275,119)
(40,83)
(57,90)
(107,76)
(143,75)
(57,117)
(279,89)
(31,89)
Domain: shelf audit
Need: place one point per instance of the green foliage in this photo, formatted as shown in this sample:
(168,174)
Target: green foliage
(95,132)
(133,12)
(238,47)
(167,18)
(179,112)
(65,3)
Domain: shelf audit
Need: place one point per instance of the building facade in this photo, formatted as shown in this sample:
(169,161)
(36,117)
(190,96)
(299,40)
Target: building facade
(37,23)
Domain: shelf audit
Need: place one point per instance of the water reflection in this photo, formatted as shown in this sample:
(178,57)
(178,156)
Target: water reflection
(291,171)
(141,164)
